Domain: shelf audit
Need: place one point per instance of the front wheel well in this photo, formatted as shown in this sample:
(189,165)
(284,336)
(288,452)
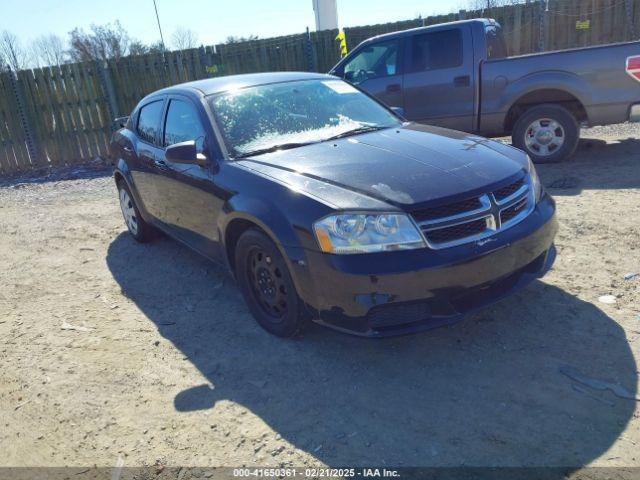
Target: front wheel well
(545,96)
(119,178)
(231,235)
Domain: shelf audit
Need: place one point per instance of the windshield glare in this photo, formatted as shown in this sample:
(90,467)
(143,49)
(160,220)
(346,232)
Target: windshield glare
(309,111)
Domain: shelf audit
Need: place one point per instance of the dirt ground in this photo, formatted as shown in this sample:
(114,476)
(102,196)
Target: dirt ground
(147,352)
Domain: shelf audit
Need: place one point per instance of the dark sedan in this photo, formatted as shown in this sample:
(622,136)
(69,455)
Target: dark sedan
(326,205)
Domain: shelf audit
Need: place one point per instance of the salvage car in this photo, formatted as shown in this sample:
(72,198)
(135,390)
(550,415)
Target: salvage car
(326,205)
(457,75)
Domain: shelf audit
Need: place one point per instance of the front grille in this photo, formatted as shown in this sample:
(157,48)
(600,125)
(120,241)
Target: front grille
(477,217)
(505,192)
(448,210)
(512,211)
(456,232)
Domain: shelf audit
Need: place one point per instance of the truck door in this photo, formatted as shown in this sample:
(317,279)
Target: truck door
(375,68)
(439,78)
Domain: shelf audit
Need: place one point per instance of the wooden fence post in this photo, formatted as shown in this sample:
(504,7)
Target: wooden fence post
(107,84)
(629,9)
(25,121)
(311,54)
(541,19)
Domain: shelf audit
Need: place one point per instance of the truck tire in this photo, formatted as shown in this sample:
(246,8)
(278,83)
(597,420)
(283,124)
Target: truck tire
(548,133)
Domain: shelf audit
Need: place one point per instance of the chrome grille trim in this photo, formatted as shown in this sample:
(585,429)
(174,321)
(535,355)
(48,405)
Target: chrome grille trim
(515,195)
(486,206)
(490,211)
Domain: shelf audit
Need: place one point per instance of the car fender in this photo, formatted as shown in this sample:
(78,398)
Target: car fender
(266,214)
(292,242)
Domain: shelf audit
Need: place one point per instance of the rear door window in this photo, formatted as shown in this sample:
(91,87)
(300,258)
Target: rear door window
(183,124)
(436,50)
(149,121)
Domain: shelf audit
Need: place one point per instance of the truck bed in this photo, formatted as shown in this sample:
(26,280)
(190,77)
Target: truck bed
(595,76)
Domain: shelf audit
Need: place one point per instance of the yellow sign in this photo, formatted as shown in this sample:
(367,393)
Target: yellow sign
(583,25)
(343,43)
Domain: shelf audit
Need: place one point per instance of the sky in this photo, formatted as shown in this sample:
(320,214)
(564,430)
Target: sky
(212,20)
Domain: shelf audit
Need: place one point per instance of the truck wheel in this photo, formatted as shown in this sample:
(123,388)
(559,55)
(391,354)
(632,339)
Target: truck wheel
(548,133)
(267,286)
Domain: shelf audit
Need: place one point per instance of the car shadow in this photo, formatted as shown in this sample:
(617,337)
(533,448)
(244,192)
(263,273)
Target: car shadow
(507,387)
(596,164)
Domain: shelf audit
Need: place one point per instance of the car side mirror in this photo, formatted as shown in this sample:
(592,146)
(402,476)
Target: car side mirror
(398,111)
(185,152)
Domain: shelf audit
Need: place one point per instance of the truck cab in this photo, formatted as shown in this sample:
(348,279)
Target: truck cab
(429,72)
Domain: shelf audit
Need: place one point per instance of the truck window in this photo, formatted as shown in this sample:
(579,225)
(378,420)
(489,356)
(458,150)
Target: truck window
(373,61)
(496,47)
(436,50)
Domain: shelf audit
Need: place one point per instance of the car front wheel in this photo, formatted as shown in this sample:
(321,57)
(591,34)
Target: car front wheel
(266,285)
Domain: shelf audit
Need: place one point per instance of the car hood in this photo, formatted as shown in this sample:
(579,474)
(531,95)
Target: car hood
(407,166)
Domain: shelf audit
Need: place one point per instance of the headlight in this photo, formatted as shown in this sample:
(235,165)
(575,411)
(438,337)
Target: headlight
(535,181)
(367,232)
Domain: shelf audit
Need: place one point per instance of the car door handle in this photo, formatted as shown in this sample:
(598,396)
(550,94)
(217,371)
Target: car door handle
(462,81)
(394,87)
(161,164)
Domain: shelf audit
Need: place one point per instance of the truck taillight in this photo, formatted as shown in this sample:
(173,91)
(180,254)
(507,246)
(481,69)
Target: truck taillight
(633,67)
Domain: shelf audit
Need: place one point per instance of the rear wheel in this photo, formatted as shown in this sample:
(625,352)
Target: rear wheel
(138,228)
(266,285)
(548,133)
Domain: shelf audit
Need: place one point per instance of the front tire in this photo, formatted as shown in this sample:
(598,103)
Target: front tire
(140,230)
(548,133)
(266,284)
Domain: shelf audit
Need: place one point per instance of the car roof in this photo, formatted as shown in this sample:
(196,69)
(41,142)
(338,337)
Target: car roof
(210,86)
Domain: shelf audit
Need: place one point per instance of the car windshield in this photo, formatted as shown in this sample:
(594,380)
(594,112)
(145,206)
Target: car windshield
(259,119)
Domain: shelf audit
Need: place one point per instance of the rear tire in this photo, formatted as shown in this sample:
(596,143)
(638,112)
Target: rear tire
(266,284)
(548,133)
(140,230)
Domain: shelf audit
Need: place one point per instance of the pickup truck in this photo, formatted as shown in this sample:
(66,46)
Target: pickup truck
(457,75)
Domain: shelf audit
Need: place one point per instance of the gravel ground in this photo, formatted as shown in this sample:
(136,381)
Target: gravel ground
(147,352)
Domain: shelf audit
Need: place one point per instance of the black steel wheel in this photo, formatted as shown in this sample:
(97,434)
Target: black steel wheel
(266,284)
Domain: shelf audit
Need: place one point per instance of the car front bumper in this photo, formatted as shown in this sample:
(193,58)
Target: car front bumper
(395,293)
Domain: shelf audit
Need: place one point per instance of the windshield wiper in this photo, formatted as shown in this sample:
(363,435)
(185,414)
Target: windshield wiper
(356,131)
(282,146)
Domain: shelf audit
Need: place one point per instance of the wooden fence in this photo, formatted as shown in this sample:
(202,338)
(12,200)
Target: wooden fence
(63,115)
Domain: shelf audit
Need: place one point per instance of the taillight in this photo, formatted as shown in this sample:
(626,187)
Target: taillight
(633,67)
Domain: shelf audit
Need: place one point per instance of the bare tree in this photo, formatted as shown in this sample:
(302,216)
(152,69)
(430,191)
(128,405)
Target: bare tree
(234,39)
(48,50)
(487,5)
(11,52)
(138,48)
(184,38)
(101,43)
